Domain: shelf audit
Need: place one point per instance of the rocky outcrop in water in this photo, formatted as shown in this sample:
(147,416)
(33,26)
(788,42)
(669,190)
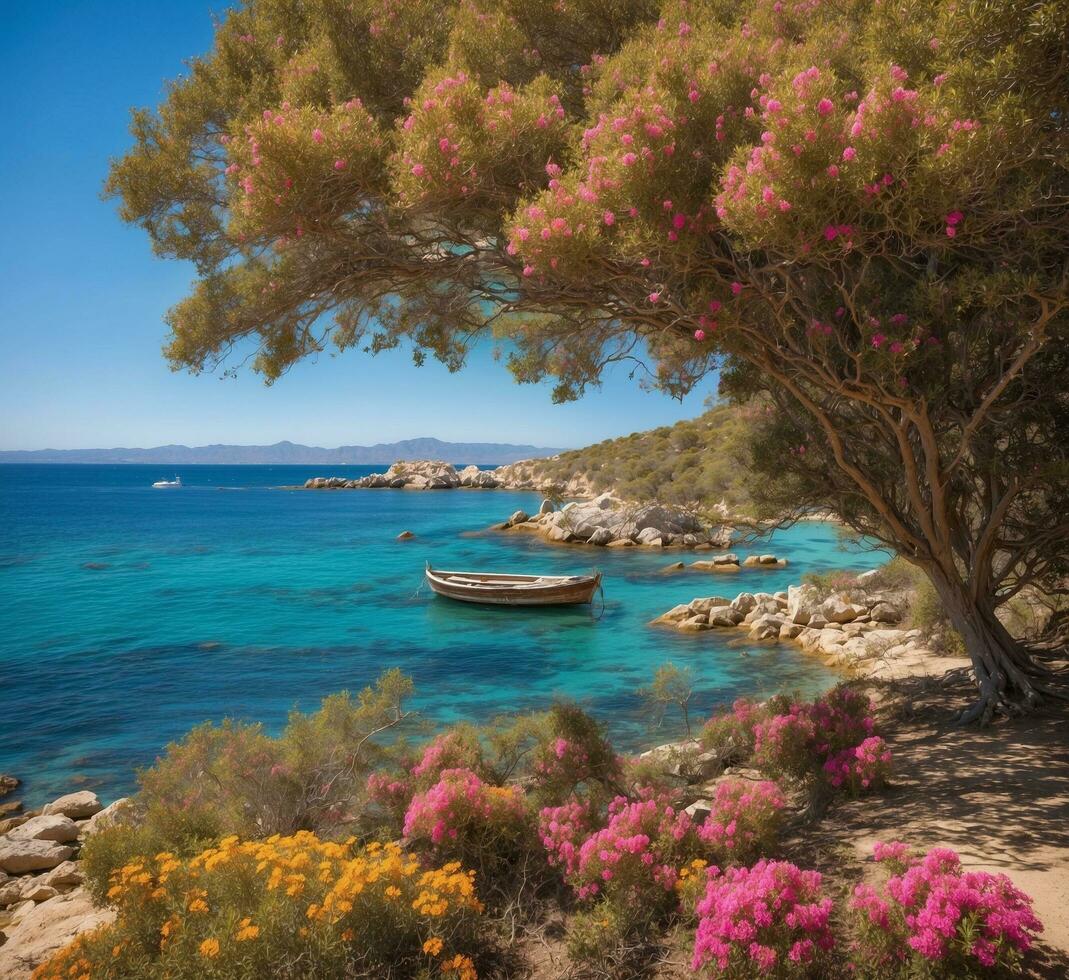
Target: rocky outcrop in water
(608,521)
(846,628)
(414,475)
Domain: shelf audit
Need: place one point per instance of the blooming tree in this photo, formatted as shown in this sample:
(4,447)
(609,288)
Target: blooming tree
(858,210)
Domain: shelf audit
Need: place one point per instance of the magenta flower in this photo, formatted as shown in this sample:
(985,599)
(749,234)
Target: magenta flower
(825,106)
(849,153)
(655,297)
(699,335)
(317,135)
(609,218)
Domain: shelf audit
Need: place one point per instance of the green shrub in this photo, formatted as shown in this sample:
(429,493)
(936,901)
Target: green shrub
(829,583)
(926,610)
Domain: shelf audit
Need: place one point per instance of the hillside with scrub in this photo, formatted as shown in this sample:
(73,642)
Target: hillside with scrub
(697,462)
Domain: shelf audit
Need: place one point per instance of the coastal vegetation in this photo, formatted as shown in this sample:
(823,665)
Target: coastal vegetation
(697,463)
(461,854)
(856,211)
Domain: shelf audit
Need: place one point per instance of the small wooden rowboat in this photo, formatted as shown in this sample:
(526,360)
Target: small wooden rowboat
(514,590)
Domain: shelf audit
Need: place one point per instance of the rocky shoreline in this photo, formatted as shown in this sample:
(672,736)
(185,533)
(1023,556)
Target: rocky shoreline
(609,522)
(43,901)
(849,628)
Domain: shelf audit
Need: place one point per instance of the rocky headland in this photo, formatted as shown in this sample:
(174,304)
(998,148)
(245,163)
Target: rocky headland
(43,904)
(609,522)
(423,474)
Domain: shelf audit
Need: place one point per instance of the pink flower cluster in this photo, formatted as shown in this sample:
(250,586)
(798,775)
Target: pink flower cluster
(563,764)
(932,911)
(637,853)
(562,830)
(390,793)
(452,136)
(860,767)
(768,916)
(833,735)
(447,751)
(745,818)
(459,804)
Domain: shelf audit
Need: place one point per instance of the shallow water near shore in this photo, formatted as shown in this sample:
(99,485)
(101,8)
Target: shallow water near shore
(128,614)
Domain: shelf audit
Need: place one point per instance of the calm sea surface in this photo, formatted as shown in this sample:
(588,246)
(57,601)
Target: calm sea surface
(129,614)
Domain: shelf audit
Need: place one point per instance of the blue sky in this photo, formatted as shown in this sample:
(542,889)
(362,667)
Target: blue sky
(82,297)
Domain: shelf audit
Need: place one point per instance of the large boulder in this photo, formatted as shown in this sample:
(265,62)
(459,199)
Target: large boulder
(839,609)
(584,530)
(8,784)
(121,811)
(53,827)
(884,612)
(766,627)
(46,928)
(674,615)
(744,602)
(724,616)
(19,856)
(546,508)
(650,536)
(602,536)
(64,876)
(665,518)
(77,806)
(518,517)
(802,602)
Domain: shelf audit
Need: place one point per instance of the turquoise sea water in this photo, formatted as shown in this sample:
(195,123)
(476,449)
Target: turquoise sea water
(129,614)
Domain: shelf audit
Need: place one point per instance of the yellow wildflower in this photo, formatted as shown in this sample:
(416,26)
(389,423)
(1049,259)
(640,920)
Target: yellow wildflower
(209,948)
(393,892)
(247,932)
(432,946)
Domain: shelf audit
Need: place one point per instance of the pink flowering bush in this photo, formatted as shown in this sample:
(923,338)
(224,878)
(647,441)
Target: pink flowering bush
(389,792)
(745,820)
(463,818)
(731,733)
(862,767)
(457,748)
(831,738)
(572,755)
(933,918)
(636,856)
(768,920)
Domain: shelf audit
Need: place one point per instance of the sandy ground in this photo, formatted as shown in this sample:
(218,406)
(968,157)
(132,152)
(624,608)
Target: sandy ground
(999,796)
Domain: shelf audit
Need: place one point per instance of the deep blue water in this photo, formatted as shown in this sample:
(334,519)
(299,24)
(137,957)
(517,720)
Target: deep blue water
(129,614)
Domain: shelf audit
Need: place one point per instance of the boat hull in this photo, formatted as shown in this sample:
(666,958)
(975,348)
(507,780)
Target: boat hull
(513,590)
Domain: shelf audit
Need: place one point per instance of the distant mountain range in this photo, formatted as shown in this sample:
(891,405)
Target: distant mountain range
(290,452)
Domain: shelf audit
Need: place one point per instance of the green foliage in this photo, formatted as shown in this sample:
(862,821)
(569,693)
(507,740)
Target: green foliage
(696,462)
(233,778)
(672,687)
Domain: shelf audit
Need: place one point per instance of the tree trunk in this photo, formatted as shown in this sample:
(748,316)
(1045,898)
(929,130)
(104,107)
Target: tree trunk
(1008,678)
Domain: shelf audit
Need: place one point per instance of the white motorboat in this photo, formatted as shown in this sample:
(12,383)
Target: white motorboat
(174,484)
